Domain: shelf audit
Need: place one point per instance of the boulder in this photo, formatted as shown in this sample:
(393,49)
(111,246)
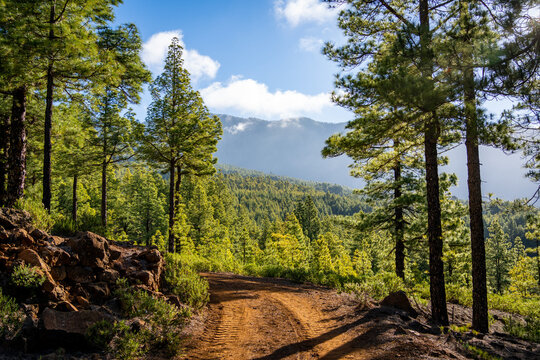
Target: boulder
(39,234)
(58,273)
(67,329)
(31,257)
(93,250)
(80,274)
(109,275)
(13,218)
(146,278)
(399,301)
(21,236)
(151,255)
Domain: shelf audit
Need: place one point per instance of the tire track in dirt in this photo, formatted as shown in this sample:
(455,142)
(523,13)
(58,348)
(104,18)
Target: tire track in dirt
(274,319)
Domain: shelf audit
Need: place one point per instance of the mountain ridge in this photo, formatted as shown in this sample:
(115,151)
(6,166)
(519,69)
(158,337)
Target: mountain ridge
(292,147)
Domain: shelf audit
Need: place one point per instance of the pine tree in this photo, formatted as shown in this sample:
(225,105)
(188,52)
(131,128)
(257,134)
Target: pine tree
(180,131)
(115,127)
(308,217)
(397,40)
(499,257)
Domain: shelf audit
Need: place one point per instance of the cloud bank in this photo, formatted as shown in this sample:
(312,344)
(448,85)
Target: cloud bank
(155,51)
(252,98)
(296,12)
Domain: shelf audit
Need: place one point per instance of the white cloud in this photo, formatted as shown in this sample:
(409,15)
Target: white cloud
(155,51)
(238,127)
(303,11)
(252,98)
(311,44)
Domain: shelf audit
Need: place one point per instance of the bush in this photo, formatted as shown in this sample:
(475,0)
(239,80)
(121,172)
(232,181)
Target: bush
(26,277)
(160,328)
(530,330)
(11,317)
(40,216)
(185,282)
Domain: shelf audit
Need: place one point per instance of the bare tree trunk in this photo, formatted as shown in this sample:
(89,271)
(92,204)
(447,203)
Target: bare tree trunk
(47,146)
(74,200)
(4,157)
(478,250)
(171,206)
(17,147)
(436,269)
(104,194)
(399,225)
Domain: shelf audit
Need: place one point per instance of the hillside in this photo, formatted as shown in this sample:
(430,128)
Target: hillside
(292,148)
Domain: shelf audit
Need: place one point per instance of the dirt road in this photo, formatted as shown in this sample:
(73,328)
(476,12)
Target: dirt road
(259,318)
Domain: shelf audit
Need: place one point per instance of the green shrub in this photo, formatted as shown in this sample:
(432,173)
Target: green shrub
(185,282)
(530,330)
(11,317)
(40,216)
(27,277)
(162,324)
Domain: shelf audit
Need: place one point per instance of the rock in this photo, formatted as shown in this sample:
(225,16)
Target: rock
(58,273)
(93,250)
(57,294)
(399,301)
(146,278)
(55,240)
(114,252)
(39,234)
(80,274)
(83,302)
(21,236)
(109,275)
(151,255)
(66,306)
(4,235)
(99,291)
(6,223)
(31,257)
(67,329)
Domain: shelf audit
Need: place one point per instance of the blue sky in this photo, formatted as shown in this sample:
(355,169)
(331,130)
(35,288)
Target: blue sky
(259,58)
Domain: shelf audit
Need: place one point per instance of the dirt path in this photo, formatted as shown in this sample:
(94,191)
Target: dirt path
(258,318)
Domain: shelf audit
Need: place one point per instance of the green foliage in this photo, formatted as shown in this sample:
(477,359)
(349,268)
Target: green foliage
(160,330)
(40,216)
(27,277)
(184,281)
(498,257)
(11,317)
(529,329)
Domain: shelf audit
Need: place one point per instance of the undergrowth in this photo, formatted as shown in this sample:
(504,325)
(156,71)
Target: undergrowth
(11,317)
(149,324)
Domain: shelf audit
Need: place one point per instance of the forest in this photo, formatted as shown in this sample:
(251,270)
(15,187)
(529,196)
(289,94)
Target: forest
(415,76)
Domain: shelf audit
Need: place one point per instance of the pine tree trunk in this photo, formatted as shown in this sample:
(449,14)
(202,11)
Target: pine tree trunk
(17,147)
(4,151)
(436,266)
(47,146)
(171,206)
(398,224)
(436,269)
(74,199)
(478,251)
(104,194)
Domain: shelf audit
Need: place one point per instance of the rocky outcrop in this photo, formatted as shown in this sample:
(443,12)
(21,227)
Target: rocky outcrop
(399,300)
(80,275)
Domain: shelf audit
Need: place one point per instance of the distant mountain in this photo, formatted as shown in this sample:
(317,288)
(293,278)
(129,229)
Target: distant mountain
(292,147)
(289,147)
